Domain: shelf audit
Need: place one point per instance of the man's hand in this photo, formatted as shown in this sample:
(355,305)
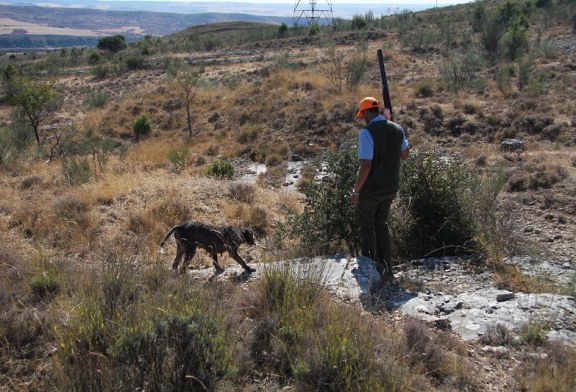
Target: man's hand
(387,114)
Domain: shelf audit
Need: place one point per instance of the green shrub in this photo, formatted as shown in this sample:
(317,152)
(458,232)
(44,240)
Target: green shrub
(534,333)
(94,58)
(113,43)
(97,99)
(142,126)
(435,207)
(458,71)
(76,171)
(178,158)
(220,169)
(424,88)
(178,353)
(283,30)
(356,66)
(135,63)
(101,71)
(45,284)
(423,350)
(328,222)
(242,191)
(490,36)
(314,29)
(358,22)
(515,42)
(14,140)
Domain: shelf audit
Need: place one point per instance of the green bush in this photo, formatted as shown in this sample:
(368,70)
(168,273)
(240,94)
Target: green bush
(135,63)
(437,206)
(534,333)
(356,67)
(358,22)
(45,284)
(424,88)
(14,140)
(490,36)
(94,58)
(328,222)
(442,206)
(220,169)
(515,42)
(113,44)
(177,353)
(101,71)
(314,29)
(283,30)
(142,126)
(460,70)
(178,157)
(97,99)
(76,171)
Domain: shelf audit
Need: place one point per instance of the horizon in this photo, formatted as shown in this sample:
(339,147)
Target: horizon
(275,8)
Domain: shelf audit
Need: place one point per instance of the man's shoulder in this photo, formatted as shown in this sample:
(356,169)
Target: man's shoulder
(387,124)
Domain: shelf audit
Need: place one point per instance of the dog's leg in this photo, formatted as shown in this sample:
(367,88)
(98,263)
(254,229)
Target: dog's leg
(234,253)
(190,252)
(179,254)
(215,262)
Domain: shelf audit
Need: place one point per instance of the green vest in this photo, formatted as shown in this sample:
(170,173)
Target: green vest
(384,174)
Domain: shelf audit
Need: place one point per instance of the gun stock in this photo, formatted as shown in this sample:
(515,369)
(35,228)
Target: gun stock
(385,91)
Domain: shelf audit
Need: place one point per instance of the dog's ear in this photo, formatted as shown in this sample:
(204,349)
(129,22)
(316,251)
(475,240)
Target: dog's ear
(248,235)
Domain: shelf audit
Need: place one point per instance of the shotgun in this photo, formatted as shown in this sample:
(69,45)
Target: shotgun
(385,91)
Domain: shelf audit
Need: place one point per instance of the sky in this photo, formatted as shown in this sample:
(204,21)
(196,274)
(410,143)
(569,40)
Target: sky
(319,2)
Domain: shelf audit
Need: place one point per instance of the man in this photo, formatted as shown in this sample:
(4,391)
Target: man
(381,146)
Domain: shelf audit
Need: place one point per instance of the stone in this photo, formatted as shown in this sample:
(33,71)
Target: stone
(505,297)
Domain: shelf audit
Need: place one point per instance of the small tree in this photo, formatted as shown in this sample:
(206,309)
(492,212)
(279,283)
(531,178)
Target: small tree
(358,22)
(113,43)
(187,82)
(515,42)
(283,30)
(142,126)
(314,29)
(339,71)
(332,65)
(9,73)
(357,63)
(33,99)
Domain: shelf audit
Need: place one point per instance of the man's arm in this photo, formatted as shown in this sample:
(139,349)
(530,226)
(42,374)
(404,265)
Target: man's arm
(365,166)
(405,153)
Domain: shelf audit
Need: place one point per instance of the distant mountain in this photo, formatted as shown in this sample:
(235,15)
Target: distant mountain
(284,10)
(66,23)
(38,28)
(132,23)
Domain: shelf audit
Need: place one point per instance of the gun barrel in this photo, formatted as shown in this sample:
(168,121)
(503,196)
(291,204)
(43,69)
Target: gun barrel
(385,91)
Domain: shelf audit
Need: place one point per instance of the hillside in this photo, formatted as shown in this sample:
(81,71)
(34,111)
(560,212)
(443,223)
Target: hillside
(29,27)
(234,124)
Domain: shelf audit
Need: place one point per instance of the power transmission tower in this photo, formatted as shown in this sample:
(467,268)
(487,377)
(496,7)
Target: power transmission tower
(313,14)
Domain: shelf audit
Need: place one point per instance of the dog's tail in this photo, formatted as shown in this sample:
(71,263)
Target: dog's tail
(172,230)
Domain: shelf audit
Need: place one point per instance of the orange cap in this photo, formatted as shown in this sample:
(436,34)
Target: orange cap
(367,103)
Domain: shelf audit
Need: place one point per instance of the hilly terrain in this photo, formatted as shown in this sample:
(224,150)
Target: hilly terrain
(33,27)
(253,125)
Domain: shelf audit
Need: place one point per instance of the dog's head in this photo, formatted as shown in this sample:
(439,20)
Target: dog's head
(248,235)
